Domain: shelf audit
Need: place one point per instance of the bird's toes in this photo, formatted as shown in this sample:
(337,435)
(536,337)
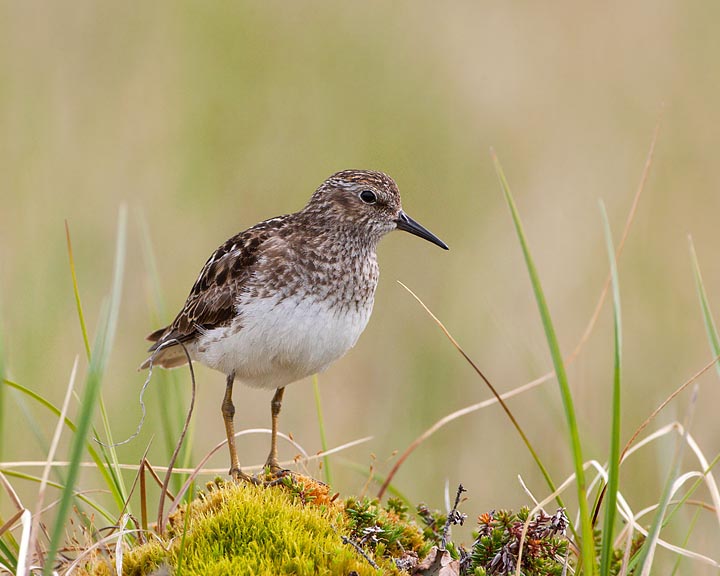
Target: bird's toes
(239,476)
(274,474)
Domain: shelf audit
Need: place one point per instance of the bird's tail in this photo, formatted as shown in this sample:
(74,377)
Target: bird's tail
(168,356)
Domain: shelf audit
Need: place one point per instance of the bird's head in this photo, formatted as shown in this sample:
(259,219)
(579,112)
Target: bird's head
(368,200)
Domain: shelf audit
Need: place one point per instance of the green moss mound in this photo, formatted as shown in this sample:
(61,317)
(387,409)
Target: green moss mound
(238,529)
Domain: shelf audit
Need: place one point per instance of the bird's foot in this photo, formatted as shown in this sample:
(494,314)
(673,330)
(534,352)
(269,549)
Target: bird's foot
(239,476)
(272,466)
(274,474)
(279,477)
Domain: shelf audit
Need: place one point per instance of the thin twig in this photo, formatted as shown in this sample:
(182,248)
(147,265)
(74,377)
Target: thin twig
(453,517)
(360,551)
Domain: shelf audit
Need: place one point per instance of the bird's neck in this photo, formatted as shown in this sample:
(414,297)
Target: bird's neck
(337,261)
(327,233)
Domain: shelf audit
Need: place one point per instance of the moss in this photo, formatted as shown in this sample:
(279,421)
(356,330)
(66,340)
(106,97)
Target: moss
(244,529)
(296,527)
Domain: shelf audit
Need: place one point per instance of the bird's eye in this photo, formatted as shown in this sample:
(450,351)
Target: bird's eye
(368,196)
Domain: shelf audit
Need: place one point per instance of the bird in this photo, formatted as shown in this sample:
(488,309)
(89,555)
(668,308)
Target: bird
(289,296)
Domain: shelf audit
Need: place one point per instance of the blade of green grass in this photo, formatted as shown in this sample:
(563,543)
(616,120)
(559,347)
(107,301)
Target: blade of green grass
(114,313)
(91,393)
(321,425)
(587,544)
(76,291)
(606,546)
(714,342)
(110,453)
(8,556)
(22,407)
(691,527)
(107,449)
(710,327)
(90,447)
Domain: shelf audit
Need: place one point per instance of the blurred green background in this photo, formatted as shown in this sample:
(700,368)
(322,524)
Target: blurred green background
(204,118)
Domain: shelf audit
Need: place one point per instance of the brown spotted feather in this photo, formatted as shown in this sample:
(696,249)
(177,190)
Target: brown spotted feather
(211,302)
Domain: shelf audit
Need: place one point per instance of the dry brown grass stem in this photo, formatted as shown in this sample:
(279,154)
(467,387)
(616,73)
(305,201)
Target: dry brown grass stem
(496,398)
(10,491)
(667,401)
(621,245)
(140,479)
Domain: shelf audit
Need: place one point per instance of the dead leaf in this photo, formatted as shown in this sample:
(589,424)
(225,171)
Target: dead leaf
(438,563)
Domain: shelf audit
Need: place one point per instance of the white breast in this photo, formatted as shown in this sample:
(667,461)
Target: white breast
(274,341)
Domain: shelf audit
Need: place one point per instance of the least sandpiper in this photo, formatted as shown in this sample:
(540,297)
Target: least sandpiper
(289,296)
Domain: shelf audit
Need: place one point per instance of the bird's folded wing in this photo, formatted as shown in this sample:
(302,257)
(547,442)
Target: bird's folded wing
(212,299)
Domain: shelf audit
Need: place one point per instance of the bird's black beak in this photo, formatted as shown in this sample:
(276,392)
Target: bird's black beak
(404,222)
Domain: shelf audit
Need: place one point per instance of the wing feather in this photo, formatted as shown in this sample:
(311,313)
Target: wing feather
(211,302)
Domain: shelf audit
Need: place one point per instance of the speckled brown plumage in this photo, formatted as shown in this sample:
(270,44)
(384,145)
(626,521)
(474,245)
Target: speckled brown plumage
(285,298)
(211,302)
